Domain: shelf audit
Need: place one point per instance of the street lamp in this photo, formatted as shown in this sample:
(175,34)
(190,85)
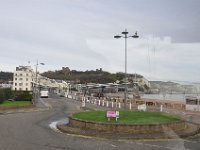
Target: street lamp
(36,76)
(125,36)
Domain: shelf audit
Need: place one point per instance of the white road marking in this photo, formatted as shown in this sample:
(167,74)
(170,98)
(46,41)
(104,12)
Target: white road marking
(53,126)
(113,145)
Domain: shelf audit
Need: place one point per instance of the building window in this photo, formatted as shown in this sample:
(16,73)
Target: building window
(15,84)
(15,89)
(15,78)
(20,84)
(26,79)
(27,74)
(26,89)
(20,89)
(20,79)
(26,84)
(20,74)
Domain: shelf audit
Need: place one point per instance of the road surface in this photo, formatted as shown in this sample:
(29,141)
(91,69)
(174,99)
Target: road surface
(31,131)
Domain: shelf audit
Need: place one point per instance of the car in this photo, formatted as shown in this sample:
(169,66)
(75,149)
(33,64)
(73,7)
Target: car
(44,94)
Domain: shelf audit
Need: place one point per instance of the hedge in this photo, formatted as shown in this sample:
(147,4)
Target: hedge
(7,93)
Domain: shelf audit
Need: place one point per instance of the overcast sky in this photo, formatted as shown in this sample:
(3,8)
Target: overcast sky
(79,34)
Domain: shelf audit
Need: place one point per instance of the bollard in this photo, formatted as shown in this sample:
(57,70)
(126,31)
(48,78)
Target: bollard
(130,107)
(161,108)
(103,103)
(83,102)
(107,104)
(95,101)
(99,102)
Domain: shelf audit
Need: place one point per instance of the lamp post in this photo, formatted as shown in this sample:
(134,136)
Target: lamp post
(125,36)
(36,76)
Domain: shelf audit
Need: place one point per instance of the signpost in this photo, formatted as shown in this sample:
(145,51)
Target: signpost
(112,114)
(117,115)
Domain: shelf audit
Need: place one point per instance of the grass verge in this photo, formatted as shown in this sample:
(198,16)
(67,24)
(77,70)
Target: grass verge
(128,117)
(15,103)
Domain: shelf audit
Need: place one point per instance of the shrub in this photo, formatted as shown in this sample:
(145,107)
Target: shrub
(2,95)
(5,94)
(22,96)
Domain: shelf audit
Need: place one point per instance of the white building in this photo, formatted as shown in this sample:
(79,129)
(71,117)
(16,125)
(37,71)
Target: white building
(23,78)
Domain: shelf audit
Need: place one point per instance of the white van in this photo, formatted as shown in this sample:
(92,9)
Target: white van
(44,94)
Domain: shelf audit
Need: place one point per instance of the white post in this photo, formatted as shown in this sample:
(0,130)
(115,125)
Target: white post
(103,103)
(95,101)
(107,104)
(112,105)
(116,104)
(99,102)
(130,107)
(83,102)
(161,108)
(119,105)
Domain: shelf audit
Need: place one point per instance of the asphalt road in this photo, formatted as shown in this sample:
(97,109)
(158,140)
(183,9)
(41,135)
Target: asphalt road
(31,131)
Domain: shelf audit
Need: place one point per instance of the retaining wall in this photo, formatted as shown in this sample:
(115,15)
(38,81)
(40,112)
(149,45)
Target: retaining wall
(127,128)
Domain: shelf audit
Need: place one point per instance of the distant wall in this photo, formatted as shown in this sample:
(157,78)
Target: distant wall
(193,107)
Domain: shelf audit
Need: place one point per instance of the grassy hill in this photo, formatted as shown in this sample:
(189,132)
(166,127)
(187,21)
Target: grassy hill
(98,76)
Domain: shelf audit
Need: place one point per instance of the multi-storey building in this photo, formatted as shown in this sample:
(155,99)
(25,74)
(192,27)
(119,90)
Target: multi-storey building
(23,78)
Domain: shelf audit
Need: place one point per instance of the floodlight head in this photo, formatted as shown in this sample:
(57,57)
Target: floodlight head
(135,36)
(117,36)
(42,64)
(125,32)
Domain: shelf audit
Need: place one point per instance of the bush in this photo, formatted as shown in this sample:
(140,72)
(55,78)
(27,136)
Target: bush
(5,94)
(22,96)
(2,95)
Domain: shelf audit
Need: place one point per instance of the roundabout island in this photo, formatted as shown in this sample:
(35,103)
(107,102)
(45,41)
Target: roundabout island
(128,125)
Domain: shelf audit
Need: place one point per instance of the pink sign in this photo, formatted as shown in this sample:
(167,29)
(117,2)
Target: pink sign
(111,114)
